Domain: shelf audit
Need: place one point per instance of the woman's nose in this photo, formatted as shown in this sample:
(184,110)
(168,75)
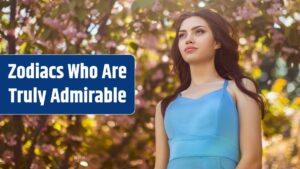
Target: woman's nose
(189,39)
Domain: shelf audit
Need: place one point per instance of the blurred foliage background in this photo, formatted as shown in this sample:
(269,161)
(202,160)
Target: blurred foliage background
(269,38)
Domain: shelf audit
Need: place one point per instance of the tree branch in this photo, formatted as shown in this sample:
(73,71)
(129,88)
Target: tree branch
(12,25)
(116,150)
(35,135)
(69,151)
(105,19)
(18,123)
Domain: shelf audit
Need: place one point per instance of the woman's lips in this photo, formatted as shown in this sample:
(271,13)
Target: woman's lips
(190,50)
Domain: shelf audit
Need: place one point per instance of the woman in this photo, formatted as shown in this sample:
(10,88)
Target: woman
(212,121)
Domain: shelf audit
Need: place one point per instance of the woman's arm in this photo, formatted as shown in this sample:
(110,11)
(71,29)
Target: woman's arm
(161,141)
(250,129)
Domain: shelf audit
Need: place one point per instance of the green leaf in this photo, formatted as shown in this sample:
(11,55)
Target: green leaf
(82,13)
(103,6)
(71,5)
(139,4)
(63,9)
(23,47)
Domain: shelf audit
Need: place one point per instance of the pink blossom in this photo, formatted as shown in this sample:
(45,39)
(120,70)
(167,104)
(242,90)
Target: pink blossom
(153,26)
(98,37)
(158,75)
(289,50)
(81,35)
(246,13)
(7,155)
(119,119)
(64,16)
(138,69)
(52,23)
(75,138)
(11,141)
(27,2)
(91,45)
(157,6)
(70,32)
(149,41)
(110,44)
(275,9)
(94,12)
(137,25)
(142,103)
(251,39)
(31,121)
(47,148)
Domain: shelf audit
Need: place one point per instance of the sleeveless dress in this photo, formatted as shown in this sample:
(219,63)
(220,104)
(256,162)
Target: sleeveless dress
(203,133)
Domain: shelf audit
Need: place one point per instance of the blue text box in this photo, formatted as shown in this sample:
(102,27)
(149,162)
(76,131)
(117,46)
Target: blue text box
(67,84)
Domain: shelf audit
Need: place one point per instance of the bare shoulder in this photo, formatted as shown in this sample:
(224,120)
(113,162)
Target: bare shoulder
(158,109)
(236,92)
(158,105)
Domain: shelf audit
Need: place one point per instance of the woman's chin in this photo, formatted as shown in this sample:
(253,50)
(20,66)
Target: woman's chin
(192,59)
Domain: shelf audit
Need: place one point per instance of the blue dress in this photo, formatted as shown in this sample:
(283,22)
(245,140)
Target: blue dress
(203,133)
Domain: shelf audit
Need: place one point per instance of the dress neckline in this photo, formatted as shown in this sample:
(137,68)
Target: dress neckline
(206,94)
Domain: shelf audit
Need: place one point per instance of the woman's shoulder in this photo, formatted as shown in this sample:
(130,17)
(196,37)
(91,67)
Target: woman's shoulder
(236,92)
(249,85)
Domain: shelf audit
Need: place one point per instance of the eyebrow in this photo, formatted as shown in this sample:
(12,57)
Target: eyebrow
(192,28)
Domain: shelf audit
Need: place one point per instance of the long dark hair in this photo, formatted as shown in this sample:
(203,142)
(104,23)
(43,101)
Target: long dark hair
(226,57)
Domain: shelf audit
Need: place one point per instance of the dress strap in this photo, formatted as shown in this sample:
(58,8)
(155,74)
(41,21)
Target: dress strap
(225,84)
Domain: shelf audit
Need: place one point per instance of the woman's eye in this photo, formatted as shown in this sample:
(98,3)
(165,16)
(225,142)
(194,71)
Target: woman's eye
(199,31)
(180,35)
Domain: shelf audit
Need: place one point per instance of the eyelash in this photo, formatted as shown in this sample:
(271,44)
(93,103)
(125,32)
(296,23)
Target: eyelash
(197,31)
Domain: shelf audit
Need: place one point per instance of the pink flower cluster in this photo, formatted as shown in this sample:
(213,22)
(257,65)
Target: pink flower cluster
(244,13)
(68,30)
(53,23)
(157,6)
(10,139)
(289,50)
(7,155)
(27,2)
(110,44)
(49,148)
(275,9)
(158,75)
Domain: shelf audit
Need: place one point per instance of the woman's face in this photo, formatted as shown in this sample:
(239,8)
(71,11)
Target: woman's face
(195,40)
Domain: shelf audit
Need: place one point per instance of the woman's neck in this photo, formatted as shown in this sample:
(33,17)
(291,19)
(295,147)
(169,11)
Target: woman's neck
(203,73)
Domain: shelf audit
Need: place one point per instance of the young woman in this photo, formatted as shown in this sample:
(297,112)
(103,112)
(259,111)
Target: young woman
(212,121)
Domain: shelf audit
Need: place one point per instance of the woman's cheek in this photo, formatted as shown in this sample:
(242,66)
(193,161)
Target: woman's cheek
(181,47)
